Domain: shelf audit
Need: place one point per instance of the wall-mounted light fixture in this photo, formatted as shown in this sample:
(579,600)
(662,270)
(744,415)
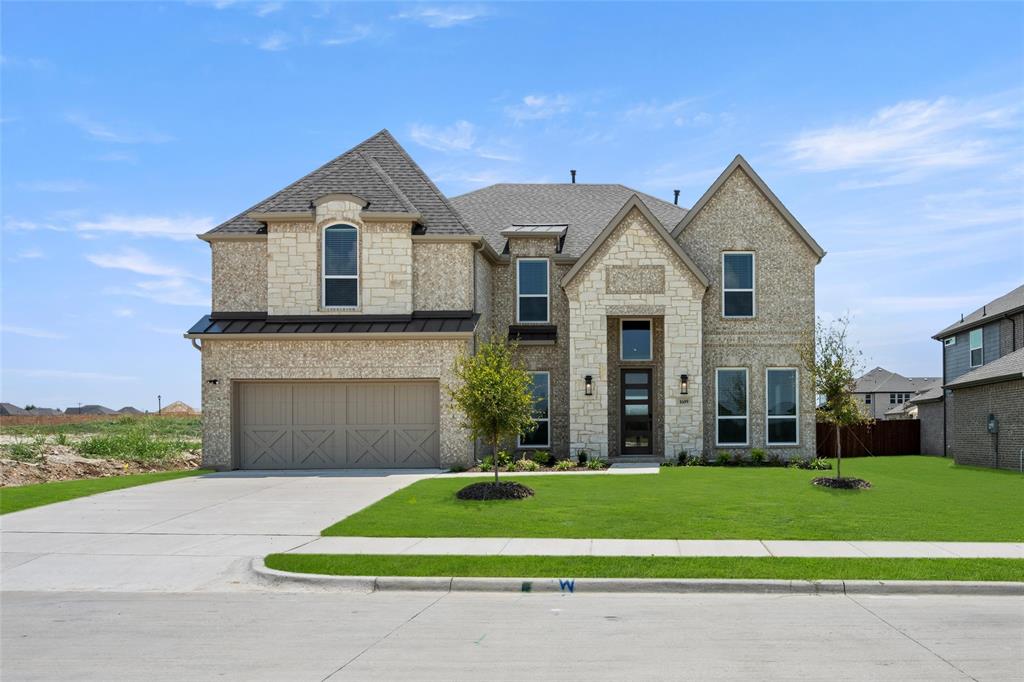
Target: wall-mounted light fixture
(213,381)
(684,384)
(588,385)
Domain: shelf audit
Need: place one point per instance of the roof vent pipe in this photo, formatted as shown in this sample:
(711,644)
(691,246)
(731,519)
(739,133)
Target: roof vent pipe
(984,310)
(572,173)
(675,197)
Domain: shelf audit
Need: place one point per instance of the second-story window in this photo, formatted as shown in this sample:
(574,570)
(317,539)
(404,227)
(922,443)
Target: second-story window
(867,398)
(738,284)
(341,267)
(532,290)
(977,348)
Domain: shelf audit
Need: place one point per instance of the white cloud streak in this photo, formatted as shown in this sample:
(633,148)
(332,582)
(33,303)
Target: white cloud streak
(57,186)
(179,228)
(106,133)
(536,107)
(435,16)
(30,332)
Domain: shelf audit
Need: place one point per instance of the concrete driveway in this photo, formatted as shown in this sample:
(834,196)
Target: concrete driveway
(182,535)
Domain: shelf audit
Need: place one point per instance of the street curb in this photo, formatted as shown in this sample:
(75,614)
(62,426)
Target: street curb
(628,585)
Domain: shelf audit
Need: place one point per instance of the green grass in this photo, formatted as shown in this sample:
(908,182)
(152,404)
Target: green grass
(186,428)
(913,498)
(27,496)
(784,568)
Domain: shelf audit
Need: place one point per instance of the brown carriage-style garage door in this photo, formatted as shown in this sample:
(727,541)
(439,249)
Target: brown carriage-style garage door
(338,425)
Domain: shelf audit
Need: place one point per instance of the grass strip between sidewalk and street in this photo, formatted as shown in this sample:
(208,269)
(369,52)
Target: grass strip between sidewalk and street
(781,568)
(17,498)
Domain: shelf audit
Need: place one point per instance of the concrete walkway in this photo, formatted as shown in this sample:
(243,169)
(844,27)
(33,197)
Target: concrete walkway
(667,548)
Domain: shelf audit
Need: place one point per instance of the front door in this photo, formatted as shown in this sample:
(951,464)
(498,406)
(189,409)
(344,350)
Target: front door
(637,423)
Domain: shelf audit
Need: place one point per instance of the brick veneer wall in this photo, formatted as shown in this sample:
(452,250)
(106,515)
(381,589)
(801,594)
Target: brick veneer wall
(930,416)
(972,443)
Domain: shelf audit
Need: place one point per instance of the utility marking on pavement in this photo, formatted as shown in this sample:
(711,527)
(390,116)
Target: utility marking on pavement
(567,584)
(527,586)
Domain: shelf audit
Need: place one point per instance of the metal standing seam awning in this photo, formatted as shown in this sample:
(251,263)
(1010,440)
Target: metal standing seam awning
(244,324)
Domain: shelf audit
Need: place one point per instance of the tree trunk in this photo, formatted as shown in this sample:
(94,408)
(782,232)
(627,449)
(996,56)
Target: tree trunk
(839,452)
(494,457)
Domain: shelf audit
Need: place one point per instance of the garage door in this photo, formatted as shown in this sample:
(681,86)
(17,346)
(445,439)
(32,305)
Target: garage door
(343,425)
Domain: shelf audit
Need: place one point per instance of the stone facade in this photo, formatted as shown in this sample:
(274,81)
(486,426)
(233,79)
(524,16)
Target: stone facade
(230,361)
(972,443)
(634,244)
(442,275)
(239,275)
(740,218)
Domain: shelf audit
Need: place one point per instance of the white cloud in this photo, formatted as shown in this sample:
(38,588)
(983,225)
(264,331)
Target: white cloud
(59,186)
(33,63)
(535,107)
(28,254)
(31,332)
(16,225)
(106,133)
(123,312)
(275,42)
(268,8)
(170,331)
(458,137)
(434,16)
(138,262)
(181,228)
(168,291)
(903,142)
(117,157)
(352,34)
(69,374)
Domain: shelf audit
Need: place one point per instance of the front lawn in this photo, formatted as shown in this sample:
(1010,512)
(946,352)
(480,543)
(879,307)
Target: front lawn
(782,568)
(912,498)
(21,497)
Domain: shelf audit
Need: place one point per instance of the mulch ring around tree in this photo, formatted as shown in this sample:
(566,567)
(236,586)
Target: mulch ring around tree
(508,490)
(842,483)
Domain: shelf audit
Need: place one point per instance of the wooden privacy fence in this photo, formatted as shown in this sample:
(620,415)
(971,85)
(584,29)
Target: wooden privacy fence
(901,437)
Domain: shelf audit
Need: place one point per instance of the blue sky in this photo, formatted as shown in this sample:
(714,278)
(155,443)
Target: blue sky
(893,132)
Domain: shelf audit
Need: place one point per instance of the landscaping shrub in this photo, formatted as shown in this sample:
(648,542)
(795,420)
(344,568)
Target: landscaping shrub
(737,460)
(456,469)
(564,465)
(722,458)
(816,464)
(487,463)
(775,460)
(842,483)
(597,464)
(581,457)
(757,456)
(504,459)
(543,458)
(681,457)
(525,465)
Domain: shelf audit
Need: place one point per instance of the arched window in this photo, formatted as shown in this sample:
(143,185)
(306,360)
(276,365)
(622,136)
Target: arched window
(341,267)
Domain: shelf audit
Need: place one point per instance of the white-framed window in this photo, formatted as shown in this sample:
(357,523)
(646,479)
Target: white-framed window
(977,338)
(635,340)
(340,267)
(738,284)
(899,398)
(949,341)
(892,398)
(532,300)
(540,437)
(782,388)
(731,406)
(867,398)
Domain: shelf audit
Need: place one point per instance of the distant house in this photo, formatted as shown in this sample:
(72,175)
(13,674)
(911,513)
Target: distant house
(982,417)
(886,395)
(90,409)
(178,407)
(11,410)
(129,410)
(44,411)
(928,410)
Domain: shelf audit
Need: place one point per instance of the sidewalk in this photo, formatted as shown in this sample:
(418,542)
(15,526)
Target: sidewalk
(670,548)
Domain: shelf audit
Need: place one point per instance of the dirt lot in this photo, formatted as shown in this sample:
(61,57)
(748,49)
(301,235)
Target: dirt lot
(62,463)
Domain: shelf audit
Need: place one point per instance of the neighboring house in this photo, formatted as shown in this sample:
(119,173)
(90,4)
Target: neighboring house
(90,410)
(129,410)
(980,355)
(177,407)
(341,303)
(12,410)
(886,395)
(44,411)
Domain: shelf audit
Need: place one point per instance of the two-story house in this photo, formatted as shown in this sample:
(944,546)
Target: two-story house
(882,394)
(341,303)
(982,404)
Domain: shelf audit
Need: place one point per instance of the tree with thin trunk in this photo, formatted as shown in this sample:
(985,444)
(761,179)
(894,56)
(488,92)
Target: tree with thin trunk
(834,361)
(495,394)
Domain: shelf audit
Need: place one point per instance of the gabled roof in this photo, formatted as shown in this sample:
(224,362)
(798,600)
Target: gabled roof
(584,210)
(1006,368)
(740,163)
(933,394)
(11,410)
(880,380)
(634,202)
(377,170)
(1007,304)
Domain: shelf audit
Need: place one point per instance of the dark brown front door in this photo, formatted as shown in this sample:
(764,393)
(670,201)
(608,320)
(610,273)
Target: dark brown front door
(635,416)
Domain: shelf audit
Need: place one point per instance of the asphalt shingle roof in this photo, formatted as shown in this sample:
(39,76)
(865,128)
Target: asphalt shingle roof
(378,170)
(880,380)
(586,209)
(1010,366)
(990,311)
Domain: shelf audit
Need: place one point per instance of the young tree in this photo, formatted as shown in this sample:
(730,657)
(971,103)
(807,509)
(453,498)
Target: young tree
(494,394)
(834,362)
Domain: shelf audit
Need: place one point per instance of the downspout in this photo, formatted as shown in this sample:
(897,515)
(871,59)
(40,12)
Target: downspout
(945,445)
(196,345)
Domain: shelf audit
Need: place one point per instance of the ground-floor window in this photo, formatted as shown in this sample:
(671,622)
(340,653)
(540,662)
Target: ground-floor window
(731,400)
(781,390)
(540,437)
